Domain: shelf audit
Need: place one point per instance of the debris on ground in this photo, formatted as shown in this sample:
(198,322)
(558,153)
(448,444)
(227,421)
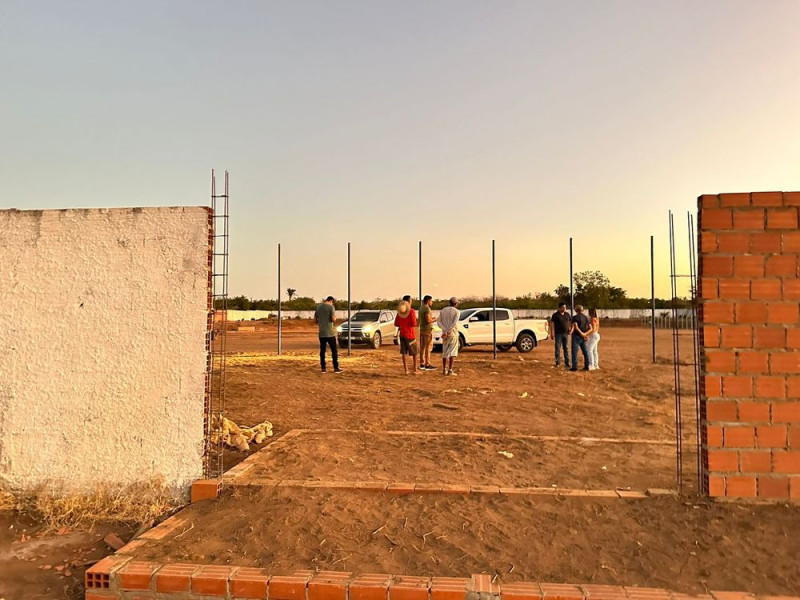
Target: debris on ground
(234,436)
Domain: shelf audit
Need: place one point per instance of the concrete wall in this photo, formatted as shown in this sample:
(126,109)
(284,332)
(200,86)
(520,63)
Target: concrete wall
(750,390)
(103,319)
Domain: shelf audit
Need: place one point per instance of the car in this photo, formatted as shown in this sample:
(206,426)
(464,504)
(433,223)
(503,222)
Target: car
(475,326)
(372,327)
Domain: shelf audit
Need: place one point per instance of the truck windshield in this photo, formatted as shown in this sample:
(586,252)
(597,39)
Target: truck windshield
(466,314)
(365,317)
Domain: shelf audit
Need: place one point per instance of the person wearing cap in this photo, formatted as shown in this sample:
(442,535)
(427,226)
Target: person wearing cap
(448,323)
(325,317)
(581,329)
(406,321)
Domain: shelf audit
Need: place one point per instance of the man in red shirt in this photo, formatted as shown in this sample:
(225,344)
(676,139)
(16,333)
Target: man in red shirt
(406,321)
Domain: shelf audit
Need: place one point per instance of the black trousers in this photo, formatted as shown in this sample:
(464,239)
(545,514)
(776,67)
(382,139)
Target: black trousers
(328,341)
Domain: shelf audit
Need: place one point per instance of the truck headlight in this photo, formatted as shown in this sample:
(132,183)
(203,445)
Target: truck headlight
(367,329)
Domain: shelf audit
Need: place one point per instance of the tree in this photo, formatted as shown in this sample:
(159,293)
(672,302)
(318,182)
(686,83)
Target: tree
(290,292)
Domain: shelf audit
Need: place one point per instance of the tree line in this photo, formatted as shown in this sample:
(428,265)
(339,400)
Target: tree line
(591,289)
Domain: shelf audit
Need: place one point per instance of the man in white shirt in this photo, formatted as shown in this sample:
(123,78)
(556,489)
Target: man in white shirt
(448,323)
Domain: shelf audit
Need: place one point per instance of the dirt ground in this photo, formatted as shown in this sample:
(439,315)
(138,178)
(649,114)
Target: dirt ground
(681,543)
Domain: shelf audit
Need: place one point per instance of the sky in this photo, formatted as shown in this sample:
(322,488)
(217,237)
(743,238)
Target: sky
(453,123)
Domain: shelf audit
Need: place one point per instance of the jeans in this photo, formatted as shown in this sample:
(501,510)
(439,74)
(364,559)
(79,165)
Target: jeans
(330,341)
(591,347)
(561,343)
(579,342)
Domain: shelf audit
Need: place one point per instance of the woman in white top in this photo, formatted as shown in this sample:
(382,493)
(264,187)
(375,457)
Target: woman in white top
(593,341)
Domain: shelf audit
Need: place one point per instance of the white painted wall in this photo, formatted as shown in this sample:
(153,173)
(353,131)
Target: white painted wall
(102,327)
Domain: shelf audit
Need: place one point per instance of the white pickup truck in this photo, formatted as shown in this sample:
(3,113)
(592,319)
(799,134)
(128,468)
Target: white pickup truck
(475,327)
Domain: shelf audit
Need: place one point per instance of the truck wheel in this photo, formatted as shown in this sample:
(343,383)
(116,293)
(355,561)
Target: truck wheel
(461,342)
(504,347)
(525,343)
(376,340)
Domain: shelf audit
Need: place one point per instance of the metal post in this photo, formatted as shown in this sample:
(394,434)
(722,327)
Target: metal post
(571,295)
(420,275)
(280,321)
(652,299)
(494,308)
(349,306)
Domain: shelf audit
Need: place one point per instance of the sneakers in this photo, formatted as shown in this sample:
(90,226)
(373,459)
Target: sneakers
(428,368)
(452,373)
(337,371)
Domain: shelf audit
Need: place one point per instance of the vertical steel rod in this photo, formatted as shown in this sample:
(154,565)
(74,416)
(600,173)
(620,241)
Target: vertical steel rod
(571,295)
(676,358)
(349,306)
(420,275)
(280,314)
(494,307)
(695,348)
(653,298)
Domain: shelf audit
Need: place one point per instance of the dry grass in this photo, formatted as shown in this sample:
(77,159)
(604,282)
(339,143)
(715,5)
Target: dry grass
(137,505)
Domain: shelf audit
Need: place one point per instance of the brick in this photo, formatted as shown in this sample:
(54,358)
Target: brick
(791,198)
(637,593)
(448,588)
(753,362)
(716,266)
(249,582)
(786,412)
(721,411)
(713,387)
(708,242)
(409,588)
(733,242)
(737,199)
(790,241)
(99,575)
(400,489)
(175,577)
(783,312)
(484,489)
(743,486)
(604,592)
(794,437)
(716,486)
(770,386)
(782,218)
(751,312)
(793,387)
(766,289)
(287,587)
(521,591)
(212,580)
(767,198)
(711,336)
(455,489)
(753,412)
(752,219)
(773,488)
(736,386)
(737,336)
(481,583)
(755,462)
(720,361)
(765,242)
(781,265)
(427,488)
(708,201)
(771,436)
(136,575)
(785,362)
(731,289)
(717,218)
(557,591)
(739,437)
(786,462)
(714,436)
(722,460)
(369,587)
(717,313)
(793,338)
(205,489)
(794,488)
(769,337)
(709,288)
(328,587)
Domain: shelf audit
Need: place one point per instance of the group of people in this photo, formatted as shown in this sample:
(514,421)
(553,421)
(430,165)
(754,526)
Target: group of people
(583,330)
(406,322)
(585,333)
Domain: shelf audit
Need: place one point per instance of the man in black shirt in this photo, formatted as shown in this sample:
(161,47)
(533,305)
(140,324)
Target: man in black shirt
(560,326)
(581,327)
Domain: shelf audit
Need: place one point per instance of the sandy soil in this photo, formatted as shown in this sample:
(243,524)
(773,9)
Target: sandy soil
(679,543)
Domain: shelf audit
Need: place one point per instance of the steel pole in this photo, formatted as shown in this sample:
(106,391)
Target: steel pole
(420,275)
(349,306)
(653,298)
(571,295)
(494,307)
(280,321)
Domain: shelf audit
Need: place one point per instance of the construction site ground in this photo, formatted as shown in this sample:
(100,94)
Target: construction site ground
(512,423)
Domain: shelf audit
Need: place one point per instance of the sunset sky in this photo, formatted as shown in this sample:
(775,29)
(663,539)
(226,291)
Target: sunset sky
(386,123)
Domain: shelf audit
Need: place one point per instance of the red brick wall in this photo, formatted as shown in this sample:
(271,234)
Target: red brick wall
(750,336)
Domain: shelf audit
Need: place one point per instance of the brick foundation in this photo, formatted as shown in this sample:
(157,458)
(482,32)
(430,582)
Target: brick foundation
(749,293)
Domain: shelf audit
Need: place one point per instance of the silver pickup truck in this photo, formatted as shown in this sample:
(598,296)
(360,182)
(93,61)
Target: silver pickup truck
(372,327)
